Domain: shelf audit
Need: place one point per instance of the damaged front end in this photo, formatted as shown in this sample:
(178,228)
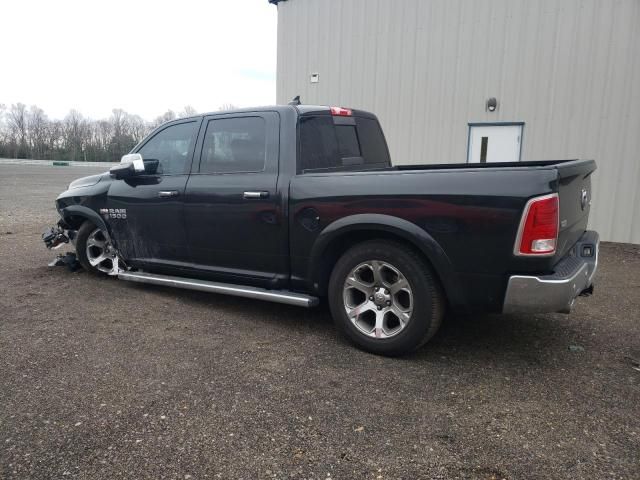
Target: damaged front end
(55,237)
(101,254)
(83,205)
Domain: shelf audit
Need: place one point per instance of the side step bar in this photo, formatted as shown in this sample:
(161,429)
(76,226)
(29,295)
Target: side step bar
(278,296)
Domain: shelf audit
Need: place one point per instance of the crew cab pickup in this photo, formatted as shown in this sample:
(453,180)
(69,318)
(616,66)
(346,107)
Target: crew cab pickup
(293,204)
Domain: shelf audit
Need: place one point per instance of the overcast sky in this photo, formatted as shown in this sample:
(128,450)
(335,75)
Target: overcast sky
(144,56)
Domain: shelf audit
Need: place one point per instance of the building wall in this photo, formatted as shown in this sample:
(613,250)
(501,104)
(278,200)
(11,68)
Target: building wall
(569,69)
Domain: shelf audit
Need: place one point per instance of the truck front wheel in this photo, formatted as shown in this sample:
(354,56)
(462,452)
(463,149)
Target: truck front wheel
(385,298)
(94,250)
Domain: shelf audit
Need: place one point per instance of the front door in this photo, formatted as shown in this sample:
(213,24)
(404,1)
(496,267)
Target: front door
(234,216)
(494,143)
(146,212)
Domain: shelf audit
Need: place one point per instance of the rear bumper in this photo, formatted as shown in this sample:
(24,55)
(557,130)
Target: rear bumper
(557,292)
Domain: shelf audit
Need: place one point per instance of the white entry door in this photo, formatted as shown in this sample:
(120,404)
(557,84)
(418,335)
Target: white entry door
(494,143)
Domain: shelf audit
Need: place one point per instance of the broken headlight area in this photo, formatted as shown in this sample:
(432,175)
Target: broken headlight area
(55,237)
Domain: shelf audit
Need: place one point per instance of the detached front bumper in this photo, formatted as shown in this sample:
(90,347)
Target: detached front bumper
(573,276)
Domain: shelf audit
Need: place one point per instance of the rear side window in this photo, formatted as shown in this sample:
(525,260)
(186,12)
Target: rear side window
(326,143)
(234,145)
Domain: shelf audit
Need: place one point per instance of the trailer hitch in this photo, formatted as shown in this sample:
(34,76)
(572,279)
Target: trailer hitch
(587,292)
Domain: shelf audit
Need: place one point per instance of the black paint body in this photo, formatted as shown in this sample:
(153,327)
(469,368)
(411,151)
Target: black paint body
(464,218)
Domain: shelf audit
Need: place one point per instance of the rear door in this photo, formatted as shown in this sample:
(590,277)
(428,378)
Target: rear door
(233,213)
(146,211)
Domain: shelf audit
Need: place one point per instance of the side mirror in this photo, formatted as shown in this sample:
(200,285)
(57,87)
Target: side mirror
(131,165)
(121,171)
(136,160)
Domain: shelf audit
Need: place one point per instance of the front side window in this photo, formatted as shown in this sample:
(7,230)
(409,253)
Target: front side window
(170,147)
(234,145)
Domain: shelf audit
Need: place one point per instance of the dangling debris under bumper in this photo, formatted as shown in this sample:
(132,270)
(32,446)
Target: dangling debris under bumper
(55,237)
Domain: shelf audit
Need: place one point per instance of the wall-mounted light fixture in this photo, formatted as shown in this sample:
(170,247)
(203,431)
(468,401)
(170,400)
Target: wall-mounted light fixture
(492,104)
(314,77)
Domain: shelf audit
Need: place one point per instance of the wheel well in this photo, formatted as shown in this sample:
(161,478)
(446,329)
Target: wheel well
(338,246)
(75,221)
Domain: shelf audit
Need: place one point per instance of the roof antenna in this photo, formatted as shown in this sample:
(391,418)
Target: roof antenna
(295,101)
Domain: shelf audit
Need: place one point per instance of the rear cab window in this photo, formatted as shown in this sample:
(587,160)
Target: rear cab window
(329,143)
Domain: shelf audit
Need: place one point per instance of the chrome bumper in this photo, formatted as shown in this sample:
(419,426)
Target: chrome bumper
(557,292)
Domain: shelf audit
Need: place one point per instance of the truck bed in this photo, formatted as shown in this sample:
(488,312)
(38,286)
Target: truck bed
(472,211)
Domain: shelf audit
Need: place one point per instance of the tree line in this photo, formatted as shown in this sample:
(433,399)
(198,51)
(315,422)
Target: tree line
(27,132)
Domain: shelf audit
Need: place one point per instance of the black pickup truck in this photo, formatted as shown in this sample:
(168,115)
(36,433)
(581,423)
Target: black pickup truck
(295,203)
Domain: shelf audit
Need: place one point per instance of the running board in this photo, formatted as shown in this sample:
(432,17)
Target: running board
(278,296)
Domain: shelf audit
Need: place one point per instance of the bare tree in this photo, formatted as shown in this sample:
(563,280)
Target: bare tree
(121,141)
(29,133)
(165,117)
(55,138)
(74,132)
(227,106)
(4,132)
(188,111)
(37,124)
(138,127)
(17,123)
(104,132)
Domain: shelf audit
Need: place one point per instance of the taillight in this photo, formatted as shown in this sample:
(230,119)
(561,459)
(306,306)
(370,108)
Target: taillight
(538,233)
(341,112)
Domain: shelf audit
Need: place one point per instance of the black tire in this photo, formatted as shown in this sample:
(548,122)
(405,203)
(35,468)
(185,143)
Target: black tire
(428,303)
(85,230)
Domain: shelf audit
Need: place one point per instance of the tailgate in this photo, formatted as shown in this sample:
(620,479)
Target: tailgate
(574,191)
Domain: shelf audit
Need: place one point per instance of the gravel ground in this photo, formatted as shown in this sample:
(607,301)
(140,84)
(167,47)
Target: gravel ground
(107,379)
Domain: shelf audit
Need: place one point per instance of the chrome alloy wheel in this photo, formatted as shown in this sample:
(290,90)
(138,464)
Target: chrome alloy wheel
(101,254)
(378,299)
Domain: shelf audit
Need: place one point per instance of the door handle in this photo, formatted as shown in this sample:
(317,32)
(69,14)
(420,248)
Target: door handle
(255,195)
(168,193)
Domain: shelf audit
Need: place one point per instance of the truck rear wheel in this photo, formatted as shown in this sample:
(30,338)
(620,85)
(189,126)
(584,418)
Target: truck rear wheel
(94,250)
(385,298)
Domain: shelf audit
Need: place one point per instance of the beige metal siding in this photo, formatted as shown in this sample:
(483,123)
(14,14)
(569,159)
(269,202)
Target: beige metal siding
(569,69)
